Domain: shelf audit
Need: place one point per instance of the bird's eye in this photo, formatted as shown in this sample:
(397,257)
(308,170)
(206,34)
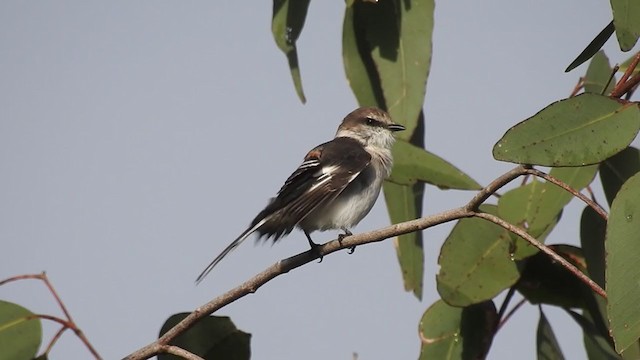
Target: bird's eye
(372,122)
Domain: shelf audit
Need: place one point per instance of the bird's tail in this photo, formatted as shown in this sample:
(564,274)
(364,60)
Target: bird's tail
(234,244)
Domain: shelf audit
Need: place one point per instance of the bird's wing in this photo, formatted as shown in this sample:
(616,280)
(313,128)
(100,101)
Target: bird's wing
(324,174)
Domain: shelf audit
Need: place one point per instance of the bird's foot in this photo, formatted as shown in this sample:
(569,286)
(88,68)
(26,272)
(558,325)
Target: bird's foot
(342,236)
(315,248)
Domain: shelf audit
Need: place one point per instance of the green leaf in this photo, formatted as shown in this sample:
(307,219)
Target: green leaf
(213,337)
(595,343)
(622,274)
(625,18)
(286,25)
(582,130)
(374,30)
(398,36)
(547,345)
(632,352)
(598,75)
(516,206)
(592,232)
(544,281)
(404,203)
(475,261)
(20,332)
(413,164)
(451,333)
(617,169)
(358,65)
(596,44)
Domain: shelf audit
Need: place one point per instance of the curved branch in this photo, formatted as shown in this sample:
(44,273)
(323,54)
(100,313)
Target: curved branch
(540,246)
(286,265)
(595,206)
(67,324)
(178,351)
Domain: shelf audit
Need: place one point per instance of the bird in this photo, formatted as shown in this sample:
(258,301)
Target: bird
(335,186)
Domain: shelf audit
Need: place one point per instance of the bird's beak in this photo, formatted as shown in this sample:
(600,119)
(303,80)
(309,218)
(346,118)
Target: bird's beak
(395,127)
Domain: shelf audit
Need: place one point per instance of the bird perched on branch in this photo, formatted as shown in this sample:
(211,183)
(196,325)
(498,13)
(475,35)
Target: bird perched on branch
(335,186)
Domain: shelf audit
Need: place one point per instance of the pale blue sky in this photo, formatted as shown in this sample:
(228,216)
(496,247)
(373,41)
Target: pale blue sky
(138,138)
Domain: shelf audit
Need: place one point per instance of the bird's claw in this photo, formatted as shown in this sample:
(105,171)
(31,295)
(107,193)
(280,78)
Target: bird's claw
(352,250)
(315,248)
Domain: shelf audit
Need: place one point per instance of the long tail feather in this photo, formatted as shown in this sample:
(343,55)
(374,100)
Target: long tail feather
(234,244)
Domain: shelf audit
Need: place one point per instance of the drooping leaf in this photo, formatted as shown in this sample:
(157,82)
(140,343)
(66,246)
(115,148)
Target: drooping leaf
(475,261)
(594,46)
(546,342)
(625,18)
(375,31)
(413,164)
(398,35)
(592,232)
(20,332)
(622,253)
(452,333)
(596,344)
(404,203)
(286,25)
(213,337)
(617,169)
(544,281)
(582,130)
(598,75)
(358,65)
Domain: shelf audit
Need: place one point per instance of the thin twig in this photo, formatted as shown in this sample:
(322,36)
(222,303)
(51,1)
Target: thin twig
(611,77)
(178,351)
(54,339)
(578,87)
(510,313)
(554,180)
(21,277)
(630,85)
(505,303)
(623,85)
(552,254)
(68,323)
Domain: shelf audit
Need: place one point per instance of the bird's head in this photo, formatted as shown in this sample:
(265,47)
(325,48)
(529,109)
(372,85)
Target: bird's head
(371,126)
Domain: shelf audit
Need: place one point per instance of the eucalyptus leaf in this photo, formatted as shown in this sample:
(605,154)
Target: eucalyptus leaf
(626,15)
(413,164)
(20,332)
(596,80)
(286,26)
(213,337)
(475,261)
(622,253)
(453,333)
(582,130)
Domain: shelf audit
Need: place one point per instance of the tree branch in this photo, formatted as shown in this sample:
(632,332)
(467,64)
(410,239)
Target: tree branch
(286,265)
(595,206)
(540,246)
(178,351)
(68,323)
(625,85)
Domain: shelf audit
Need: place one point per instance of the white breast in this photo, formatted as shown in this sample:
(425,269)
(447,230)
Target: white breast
(354,203)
